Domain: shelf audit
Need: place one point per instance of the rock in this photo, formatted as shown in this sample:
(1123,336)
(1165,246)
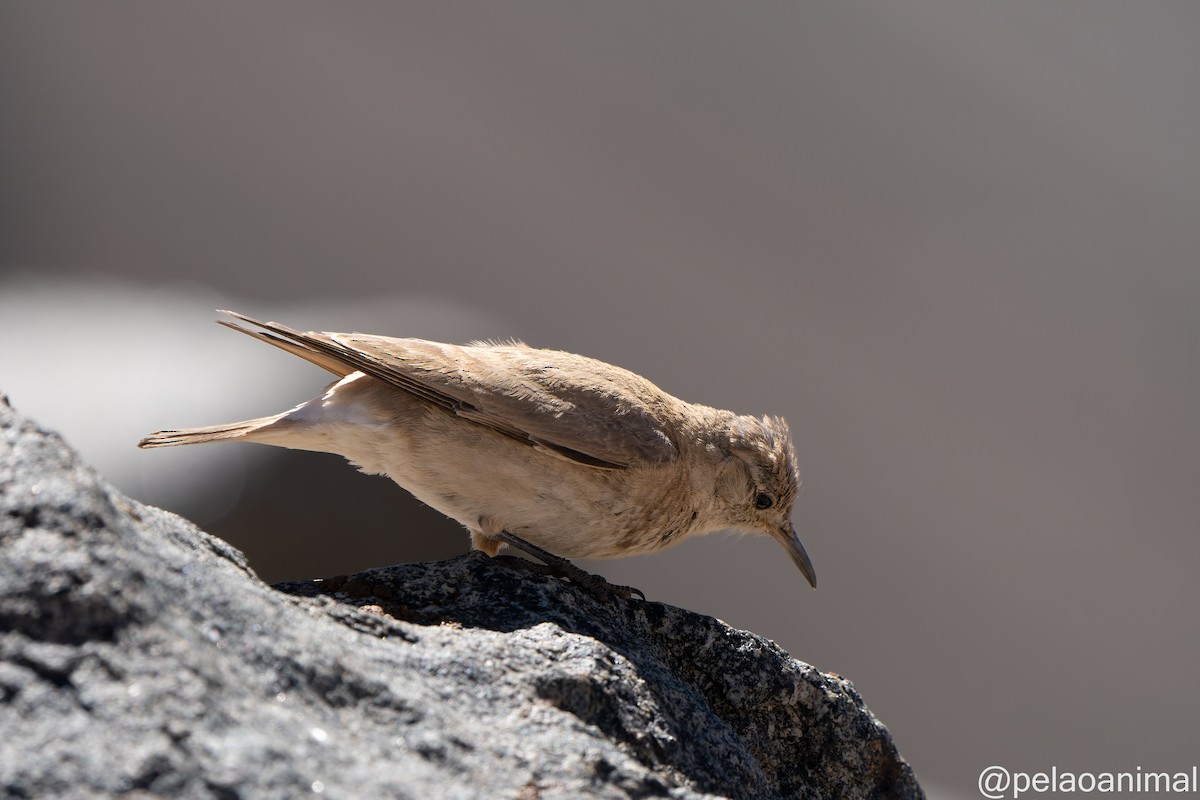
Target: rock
(140,655)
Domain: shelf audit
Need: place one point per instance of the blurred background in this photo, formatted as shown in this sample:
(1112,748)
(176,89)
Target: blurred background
(957,245)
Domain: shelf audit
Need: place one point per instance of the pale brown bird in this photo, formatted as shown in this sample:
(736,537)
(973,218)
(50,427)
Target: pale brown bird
(557,454)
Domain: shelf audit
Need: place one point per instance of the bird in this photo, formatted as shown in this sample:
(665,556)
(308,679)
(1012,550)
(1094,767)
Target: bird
(556,454)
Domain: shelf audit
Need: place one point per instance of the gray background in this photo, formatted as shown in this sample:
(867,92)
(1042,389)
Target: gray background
(955,244)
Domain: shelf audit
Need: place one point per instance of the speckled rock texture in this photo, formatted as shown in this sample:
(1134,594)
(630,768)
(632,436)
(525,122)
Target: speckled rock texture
(141,656)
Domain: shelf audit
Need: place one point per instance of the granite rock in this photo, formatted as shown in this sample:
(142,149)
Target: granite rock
(142,656)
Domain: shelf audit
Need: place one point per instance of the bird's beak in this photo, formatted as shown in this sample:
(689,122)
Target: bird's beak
(791,542)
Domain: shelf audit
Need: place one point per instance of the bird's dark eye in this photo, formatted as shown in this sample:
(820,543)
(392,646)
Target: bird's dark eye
(764,500)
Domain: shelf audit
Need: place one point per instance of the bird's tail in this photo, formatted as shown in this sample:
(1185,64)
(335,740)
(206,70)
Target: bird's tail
(213,433)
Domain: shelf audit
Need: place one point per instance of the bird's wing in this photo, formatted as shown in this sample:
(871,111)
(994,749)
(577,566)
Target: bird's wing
(563,404)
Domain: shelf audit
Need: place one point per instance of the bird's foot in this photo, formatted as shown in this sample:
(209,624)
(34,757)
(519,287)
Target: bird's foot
(560,567)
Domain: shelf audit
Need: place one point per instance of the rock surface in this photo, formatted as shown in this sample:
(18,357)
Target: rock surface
(140,655)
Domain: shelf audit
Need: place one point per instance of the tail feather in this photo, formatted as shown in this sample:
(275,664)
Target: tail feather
(212,433)
(280,429)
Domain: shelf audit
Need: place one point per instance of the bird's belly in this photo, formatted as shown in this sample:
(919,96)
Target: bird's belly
(574,516)
(572,519)
(467,473)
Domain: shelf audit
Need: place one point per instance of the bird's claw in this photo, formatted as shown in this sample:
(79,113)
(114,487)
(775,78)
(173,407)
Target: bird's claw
(595,585)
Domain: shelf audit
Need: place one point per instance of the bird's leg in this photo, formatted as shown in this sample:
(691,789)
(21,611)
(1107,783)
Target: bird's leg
(562,568)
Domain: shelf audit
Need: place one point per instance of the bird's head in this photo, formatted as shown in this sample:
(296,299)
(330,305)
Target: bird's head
(757,484)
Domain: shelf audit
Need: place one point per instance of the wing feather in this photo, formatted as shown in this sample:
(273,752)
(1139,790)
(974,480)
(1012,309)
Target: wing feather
(574,407)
